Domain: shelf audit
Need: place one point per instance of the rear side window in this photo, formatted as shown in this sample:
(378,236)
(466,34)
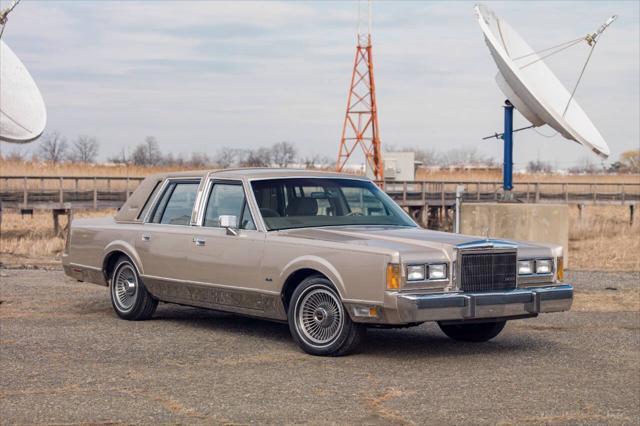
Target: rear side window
(176,204)
(149,202)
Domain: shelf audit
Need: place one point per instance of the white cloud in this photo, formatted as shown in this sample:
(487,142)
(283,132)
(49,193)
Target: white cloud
(200,75)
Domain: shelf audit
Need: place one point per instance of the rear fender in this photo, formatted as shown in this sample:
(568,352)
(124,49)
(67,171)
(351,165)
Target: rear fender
(127,249)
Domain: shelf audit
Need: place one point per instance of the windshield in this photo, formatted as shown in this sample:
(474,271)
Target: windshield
(309,202)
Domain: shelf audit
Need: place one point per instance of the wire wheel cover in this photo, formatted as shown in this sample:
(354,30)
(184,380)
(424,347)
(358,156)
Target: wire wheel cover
(320,316)
(125,287)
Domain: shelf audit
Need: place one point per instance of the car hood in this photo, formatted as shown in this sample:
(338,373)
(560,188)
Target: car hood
(408,241)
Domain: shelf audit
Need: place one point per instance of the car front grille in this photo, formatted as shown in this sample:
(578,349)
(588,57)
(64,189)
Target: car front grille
(488,271)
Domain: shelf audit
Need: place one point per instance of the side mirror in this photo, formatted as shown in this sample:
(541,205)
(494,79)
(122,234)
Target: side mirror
(230,223)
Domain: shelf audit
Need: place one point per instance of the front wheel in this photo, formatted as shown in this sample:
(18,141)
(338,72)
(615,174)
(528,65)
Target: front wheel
(129,296)
(478,332)
(318,321)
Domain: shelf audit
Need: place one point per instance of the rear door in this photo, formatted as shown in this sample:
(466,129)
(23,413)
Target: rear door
(165,240)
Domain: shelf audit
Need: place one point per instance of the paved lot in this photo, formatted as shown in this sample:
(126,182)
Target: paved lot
(66,358)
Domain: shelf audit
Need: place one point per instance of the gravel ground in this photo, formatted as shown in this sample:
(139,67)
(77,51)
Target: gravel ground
(67,358)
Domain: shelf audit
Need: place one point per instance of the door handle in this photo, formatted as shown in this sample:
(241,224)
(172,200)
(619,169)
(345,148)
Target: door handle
(146,237)
(199,241)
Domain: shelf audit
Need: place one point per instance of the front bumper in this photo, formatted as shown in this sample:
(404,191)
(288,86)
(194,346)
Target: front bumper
(469,306)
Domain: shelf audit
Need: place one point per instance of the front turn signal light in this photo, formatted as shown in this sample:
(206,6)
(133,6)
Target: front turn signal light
(393,276)
(560,269)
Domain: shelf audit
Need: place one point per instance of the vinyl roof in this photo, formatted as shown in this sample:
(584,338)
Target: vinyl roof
(252,173)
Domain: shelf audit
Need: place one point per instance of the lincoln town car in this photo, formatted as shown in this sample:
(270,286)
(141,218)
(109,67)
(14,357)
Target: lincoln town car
(329,254)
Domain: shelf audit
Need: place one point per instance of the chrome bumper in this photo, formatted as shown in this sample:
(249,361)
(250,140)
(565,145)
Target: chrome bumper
(469,306)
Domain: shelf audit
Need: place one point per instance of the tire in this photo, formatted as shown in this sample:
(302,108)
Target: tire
(129,297)
(478,332)
(318,321)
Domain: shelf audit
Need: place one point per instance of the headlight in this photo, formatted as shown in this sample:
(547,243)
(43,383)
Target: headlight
(544,266)
(438,271)
(415,273)
(525,267)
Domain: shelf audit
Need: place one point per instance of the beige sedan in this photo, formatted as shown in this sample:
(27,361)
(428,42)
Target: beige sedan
(330,254)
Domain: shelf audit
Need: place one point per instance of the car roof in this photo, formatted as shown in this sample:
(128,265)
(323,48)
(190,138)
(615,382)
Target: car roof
(262,173)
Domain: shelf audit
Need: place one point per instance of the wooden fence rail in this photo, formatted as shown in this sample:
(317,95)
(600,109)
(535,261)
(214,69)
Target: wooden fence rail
(98,192)
(55,192)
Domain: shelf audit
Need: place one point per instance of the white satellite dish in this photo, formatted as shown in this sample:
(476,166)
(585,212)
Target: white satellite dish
(22,112)
(533,88)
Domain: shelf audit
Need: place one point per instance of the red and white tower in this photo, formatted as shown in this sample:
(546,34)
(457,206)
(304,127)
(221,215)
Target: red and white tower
(360,128)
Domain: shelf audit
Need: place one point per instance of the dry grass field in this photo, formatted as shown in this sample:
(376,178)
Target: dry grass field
(36,168)
(30,240)
(495,175)
(601,239)
(31,168)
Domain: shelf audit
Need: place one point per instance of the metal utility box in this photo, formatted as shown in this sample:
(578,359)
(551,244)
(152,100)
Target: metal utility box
(399,166)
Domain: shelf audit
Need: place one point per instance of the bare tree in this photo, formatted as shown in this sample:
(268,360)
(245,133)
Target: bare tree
(84,149)
(260,157)
(464,156)
(585,166)
(539,167)
(53,148)
(120,158)
(199,159)
(147,153)
(17,154)
(310,162)
(283,154)
(226,157)
(630,161)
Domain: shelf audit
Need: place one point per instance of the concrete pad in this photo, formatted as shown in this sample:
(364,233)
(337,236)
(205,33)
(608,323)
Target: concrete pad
(544,223)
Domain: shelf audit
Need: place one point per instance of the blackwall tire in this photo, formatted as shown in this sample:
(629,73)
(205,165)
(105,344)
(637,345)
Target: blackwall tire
(318,321)
(129,297)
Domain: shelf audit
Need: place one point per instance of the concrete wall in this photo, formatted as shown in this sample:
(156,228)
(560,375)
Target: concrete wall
(546,223)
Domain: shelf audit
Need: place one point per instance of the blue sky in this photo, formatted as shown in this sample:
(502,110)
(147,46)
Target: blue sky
(202,75)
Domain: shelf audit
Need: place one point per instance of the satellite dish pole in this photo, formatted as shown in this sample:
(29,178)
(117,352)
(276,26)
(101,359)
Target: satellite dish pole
(507,137)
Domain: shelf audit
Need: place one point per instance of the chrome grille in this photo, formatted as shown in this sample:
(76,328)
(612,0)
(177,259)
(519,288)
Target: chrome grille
(487,271)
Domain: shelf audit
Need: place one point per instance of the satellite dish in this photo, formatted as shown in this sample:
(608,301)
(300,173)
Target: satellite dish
(533,88)
(22,112)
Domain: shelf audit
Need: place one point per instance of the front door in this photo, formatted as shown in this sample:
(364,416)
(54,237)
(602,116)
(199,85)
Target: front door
(227,265)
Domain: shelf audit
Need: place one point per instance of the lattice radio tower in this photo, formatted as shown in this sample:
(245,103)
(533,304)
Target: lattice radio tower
(360,128)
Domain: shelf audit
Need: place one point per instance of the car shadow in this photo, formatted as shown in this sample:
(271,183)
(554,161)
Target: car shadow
(222,322)
(425,340)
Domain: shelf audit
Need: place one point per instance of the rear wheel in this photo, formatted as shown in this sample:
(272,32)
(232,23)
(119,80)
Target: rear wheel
(318,321)
(129,297)
(476,332)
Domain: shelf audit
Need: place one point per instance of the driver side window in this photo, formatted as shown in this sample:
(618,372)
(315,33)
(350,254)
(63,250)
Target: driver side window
(228,199)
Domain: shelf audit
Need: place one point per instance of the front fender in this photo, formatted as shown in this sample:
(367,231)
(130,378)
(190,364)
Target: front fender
(316,263)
